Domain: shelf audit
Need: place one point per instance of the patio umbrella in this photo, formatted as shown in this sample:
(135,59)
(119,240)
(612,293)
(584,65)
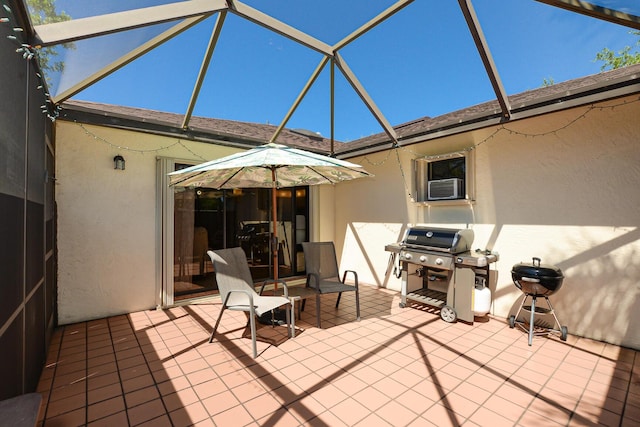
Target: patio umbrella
(268,166)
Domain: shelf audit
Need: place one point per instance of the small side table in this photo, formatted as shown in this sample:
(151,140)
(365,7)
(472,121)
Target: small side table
(293,299)
(296,294)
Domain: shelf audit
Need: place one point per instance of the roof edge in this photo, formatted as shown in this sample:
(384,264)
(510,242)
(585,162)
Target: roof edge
(561,96)
(571,94)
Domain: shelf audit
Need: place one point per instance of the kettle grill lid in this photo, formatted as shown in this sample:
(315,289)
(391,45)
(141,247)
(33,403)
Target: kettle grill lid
(536,269)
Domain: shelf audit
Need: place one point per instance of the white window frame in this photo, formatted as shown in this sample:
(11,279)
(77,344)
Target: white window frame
(421,174)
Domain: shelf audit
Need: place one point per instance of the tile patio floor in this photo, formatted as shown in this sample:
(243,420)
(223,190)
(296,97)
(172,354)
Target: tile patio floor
(396,367)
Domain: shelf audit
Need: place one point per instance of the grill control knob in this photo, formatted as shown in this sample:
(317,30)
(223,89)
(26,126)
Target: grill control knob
(439,261)
(423,258)
(407,256)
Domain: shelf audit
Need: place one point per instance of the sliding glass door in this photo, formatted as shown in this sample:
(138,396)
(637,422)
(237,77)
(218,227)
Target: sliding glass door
(200,219)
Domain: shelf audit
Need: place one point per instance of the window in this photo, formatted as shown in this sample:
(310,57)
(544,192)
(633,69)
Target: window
(444,177)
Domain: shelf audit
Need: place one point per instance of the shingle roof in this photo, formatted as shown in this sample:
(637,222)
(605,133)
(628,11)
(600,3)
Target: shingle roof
(245,133)
(529,100)
(242,133)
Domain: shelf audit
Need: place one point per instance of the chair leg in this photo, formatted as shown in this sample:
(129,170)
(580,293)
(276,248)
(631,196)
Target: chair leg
(318,309)
(299,310)
(338,300)
(357,304)
(252,322)
(217,323)
(290,326)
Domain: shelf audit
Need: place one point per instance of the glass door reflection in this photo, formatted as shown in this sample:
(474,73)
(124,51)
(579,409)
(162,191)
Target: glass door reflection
(207,219)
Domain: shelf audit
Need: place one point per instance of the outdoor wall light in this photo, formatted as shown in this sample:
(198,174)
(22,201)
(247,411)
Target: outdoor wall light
(118,162)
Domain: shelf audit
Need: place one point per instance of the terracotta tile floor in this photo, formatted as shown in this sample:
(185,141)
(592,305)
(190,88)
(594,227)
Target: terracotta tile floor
(396,367)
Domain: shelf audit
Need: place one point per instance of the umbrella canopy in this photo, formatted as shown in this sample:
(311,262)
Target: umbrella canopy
(268,166)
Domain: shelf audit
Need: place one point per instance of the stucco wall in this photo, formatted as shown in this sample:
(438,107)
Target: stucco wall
(562,187)
(107,218)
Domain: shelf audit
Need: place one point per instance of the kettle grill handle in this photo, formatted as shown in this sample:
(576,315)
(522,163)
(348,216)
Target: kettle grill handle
(536,259)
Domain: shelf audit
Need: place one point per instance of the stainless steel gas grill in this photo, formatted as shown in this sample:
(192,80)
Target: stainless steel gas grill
(438,268)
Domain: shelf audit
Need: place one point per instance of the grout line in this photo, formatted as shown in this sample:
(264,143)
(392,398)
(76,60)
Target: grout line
(53,376)
(155,383)
(86,374)
(115,358)
(446,337)
(626,395)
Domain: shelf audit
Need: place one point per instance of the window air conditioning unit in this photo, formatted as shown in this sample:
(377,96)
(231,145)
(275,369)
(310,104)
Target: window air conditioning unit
(445,189)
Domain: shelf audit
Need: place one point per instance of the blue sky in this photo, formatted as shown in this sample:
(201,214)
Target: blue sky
(420,62)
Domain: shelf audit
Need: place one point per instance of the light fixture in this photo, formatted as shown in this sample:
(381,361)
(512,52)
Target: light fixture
(118,162)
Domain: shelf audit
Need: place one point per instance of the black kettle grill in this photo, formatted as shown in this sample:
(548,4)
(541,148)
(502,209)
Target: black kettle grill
(537,280)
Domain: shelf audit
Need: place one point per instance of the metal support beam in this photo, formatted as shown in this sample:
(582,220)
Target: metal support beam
(332,105)
(483,49)
(298,100)
(129,57)
(279,27)
(213,41)
(372,23)
(351,78)
(595,11)
(83,28)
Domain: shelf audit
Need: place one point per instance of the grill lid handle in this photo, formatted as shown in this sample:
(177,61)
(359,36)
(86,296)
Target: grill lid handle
(536,259)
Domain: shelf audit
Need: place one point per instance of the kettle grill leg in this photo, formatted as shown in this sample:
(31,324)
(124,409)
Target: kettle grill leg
(562,329)
(533,313)
(520,309)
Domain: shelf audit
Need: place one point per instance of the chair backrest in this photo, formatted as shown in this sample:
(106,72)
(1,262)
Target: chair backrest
(320,259)
(232,270)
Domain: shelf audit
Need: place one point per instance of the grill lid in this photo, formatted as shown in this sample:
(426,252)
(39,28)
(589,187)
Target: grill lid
(536,270)
(537,279)
(449,240)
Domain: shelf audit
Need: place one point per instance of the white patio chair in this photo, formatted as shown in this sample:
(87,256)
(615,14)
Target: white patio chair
(238,293)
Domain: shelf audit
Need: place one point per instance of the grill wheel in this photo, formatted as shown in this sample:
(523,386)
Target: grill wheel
(448,314)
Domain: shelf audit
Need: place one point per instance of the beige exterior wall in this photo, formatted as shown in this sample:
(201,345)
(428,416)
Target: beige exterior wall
(569,195)
(107,218)
(107,226)
(563,187)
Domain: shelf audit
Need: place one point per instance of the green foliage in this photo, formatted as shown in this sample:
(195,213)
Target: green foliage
(622,58)
(548,82)
(44,12)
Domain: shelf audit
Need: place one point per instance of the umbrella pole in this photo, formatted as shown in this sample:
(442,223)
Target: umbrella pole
(274,219)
